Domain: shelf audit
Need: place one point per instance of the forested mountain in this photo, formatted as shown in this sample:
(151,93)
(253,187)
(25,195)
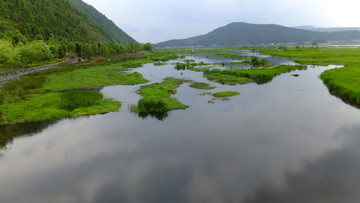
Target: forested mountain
(241,34)
(22,20)
(113,32)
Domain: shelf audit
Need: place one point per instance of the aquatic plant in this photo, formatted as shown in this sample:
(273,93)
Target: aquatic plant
(201,85)
(242,76)
(225,94)
(151,104)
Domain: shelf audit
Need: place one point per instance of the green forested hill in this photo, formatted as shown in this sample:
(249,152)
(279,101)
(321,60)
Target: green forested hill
(47,19)
(111,30)
(240,34)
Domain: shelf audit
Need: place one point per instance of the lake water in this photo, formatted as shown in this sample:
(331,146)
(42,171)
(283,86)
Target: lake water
(288,140)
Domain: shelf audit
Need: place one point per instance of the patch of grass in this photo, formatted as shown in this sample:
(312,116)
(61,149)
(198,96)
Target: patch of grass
(157,100)
(79,98)
(242,76)
(51,106)
(32,97)
(200,85)
(344,82)
(227,79)
(151,104)
(225,94)
(7,69)
(18,89)
(341,82)
(161,90)
(91,77)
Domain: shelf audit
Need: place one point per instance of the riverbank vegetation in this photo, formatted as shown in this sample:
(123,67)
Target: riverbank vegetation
(243,76)
(341,82)
(47,92)
(201,85)
(56,105)
(157,98)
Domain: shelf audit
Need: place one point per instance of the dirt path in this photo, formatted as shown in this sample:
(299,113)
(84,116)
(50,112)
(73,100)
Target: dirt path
(4,77)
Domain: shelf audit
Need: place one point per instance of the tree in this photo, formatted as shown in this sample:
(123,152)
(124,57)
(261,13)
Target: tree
(148,47)
(8,55)
(34,51)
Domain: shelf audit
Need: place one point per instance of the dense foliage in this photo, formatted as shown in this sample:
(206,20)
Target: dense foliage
(22,20)
(35,32)
(110,29)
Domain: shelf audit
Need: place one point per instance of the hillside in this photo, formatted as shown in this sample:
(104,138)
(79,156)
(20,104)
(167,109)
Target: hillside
(242,34)
(108,26)
(327,29)
(54,19)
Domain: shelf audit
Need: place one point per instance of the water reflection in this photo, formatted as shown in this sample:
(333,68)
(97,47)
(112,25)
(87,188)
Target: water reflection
(9,132)
(157,115)
(332,178)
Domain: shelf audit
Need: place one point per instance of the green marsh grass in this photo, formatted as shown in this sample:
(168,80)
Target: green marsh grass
(341,82)
(157,100)
(201,85)
(42,107)
(79,98)
(243,76)
(225,94)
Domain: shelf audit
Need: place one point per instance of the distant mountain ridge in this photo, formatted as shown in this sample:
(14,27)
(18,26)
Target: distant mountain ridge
(243,34)
(64,20)
(327,29)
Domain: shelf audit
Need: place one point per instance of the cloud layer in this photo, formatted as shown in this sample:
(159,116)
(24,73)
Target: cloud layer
(160,20)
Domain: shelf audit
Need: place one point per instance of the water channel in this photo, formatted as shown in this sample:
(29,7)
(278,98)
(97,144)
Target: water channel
(288,140)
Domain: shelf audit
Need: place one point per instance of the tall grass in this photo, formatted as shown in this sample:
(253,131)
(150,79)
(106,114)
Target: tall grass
(344,82)
(79,98)
(19,89)
(151,104)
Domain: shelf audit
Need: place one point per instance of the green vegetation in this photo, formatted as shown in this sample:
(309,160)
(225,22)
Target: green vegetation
(50,95)
(61,20)
(225,94)
(113,32)
(255,61)
(342,82)
(345,83)
(96,76)
(79,98)
(157,98)
(226,79)
(189,65)
(52,106)
(243,76)
(200,85)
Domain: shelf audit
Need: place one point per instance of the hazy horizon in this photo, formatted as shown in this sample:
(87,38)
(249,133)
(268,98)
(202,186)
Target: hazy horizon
(159,20)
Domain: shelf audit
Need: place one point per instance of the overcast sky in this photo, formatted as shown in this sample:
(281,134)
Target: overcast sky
(160,20)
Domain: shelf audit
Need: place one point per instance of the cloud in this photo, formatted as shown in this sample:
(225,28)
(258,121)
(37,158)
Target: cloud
(160,19)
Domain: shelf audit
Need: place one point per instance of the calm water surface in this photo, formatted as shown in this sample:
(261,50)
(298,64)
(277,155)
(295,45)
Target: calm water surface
(285,141)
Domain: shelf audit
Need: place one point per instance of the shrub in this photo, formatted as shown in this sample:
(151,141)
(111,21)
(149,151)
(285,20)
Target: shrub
(151,104)
(79,98)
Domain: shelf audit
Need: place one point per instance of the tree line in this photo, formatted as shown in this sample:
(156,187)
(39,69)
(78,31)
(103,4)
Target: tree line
(27,53)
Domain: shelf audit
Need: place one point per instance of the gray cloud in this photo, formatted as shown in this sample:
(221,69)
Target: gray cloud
(186,18)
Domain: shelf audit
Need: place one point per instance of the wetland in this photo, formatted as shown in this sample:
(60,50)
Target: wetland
(213,130)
